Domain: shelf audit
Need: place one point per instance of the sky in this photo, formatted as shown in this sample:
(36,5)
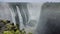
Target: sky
(39,1)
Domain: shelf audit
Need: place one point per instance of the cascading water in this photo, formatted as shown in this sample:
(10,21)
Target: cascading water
(13,16)
(21,26)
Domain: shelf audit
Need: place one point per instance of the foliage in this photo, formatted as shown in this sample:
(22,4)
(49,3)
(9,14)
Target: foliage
(10,28)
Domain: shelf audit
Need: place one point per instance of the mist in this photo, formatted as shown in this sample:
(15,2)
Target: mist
(39,18)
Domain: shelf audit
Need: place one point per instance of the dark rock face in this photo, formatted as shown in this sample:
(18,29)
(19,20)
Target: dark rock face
(53,26)
(50,19)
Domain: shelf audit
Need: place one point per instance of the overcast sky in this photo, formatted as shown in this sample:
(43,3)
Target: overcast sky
(40,1)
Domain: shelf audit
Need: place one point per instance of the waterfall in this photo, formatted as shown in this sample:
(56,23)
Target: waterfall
(21,26)
(24,11)
(13,16)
